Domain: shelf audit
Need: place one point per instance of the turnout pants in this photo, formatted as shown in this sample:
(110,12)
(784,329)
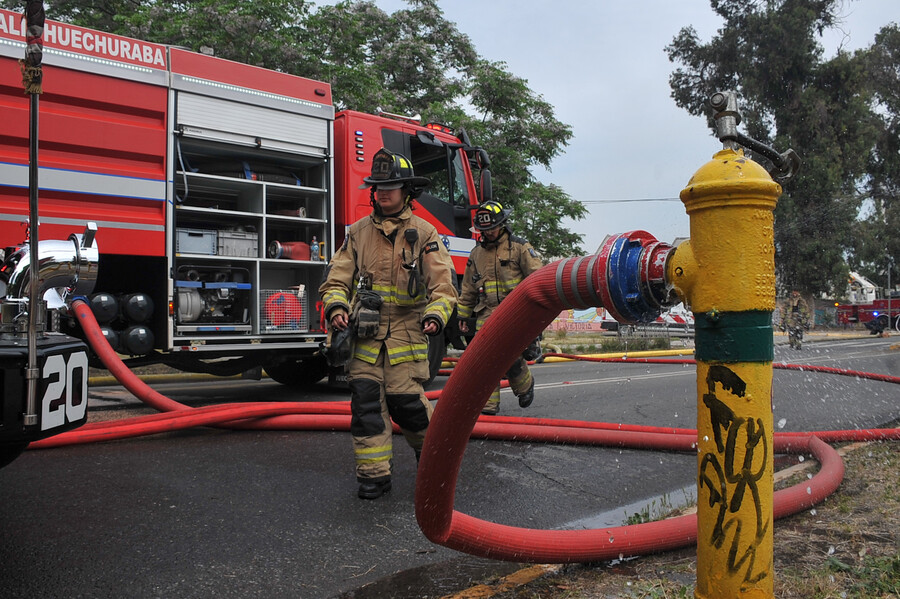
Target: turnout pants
(519,378)
(380,392)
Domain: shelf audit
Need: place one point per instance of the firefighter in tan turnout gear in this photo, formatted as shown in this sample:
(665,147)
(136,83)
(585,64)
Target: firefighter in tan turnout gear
(795,318)
(499,262)
(390,284)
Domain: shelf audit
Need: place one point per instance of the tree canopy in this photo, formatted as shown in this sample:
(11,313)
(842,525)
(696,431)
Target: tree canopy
(840,115)
(411,61)
(877,242)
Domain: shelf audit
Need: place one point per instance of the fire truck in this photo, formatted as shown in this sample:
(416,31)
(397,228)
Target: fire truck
(866,308)
(219,191)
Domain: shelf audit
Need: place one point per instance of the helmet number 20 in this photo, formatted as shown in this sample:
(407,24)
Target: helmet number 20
(65,398)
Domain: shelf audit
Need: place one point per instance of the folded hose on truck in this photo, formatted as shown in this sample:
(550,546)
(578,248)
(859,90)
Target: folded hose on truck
(465,533)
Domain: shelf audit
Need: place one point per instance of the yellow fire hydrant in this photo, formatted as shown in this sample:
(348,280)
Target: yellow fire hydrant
(726,272)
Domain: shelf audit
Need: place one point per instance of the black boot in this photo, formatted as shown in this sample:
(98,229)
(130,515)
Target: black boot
(526,398)
(374,490)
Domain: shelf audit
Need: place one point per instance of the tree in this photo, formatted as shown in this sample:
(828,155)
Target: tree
(415,61)
(410,61)
(255,32)
(522,133)
(769,52)
(876,242)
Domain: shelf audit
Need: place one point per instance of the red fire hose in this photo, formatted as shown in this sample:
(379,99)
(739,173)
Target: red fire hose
(436,482)
(521,317)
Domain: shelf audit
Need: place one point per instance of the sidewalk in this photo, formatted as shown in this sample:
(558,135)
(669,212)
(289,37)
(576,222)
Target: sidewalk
(814,335)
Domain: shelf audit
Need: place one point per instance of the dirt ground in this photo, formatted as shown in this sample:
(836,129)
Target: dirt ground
(847,547)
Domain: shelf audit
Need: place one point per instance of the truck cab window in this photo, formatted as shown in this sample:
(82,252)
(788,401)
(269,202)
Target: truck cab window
(447,198)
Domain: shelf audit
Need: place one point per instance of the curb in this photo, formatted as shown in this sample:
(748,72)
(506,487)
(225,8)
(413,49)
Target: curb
(111,381)
(640,354)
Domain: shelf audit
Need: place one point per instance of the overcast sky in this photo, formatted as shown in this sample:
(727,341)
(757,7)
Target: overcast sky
(603,67)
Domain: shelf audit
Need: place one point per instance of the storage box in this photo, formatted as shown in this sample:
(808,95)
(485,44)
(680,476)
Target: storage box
(195,241)
(238,243)
(283,310)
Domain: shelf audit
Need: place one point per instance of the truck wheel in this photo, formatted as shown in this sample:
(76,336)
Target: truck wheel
(10,452)
(437,349)
(298,373)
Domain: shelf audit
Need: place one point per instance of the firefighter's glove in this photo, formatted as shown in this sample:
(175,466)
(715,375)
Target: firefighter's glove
(533,351)
(367,313)
(340,351)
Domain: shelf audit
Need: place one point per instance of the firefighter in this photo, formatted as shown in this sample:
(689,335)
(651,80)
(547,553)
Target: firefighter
(391,283)
(795,318)
(795,310)
(499,262)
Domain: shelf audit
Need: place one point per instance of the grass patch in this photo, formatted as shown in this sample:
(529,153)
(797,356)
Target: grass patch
(599,344)
(848,547)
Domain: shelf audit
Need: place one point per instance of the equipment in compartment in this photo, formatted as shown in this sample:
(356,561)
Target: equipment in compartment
(195,241)
(284,310)
(298,212)
(207,294)
(238,243)
(290,250)
(252,171)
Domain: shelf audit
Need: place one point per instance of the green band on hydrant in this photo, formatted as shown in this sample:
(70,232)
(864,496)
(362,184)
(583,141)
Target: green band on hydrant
(734,337)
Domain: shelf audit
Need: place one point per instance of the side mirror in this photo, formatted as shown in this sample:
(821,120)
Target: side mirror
(428,138)
(483,160)
(485,189)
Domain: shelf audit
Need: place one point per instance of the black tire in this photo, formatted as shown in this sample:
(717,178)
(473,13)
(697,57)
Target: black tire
(10,452)
(298,373)
(437,349)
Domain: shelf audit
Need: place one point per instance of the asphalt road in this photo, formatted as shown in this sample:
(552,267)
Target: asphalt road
(216,513)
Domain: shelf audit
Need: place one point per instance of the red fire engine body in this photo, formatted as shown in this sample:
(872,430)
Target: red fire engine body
(871,314)
(863,307)
(211,183)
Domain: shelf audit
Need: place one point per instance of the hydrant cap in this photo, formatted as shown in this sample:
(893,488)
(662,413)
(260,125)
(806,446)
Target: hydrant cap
(730,177)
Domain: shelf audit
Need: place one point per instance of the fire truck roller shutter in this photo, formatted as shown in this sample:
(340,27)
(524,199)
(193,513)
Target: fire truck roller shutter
(206,117)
